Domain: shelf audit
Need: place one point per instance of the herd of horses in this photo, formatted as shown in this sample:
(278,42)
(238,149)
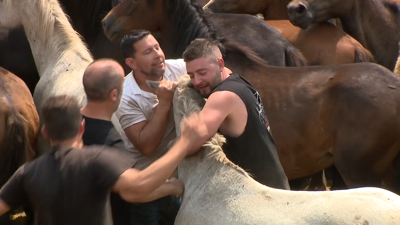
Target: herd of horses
(328,88)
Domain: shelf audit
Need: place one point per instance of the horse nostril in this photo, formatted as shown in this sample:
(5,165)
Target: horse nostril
(296,9)
(300,9)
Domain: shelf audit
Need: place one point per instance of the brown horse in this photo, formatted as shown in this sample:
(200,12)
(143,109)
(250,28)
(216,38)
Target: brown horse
(181,21)
(270,9)
(346,115)
(323,43)
(19,125)
(375,24)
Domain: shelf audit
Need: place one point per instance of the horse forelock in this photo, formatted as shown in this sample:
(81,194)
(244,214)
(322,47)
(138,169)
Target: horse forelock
(190,22)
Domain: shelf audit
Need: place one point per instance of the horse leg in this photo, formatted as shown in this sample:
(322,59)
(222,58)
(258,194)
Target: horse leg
(333,175)
(299,184)
(392,176)
(355,172)
(317,182)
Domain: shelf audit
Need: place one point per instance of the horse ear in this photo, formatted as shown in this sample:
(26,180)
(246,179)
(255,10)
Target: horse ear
(153,84)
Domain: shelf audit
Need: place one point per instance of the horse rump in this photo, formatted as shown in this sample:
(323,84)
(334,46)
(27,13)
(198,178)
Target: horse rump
(16,148)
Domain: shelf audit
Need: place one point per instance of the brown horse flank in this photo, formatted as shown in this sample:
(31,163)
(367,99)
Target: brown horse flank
(181,21)
(323,43)
(19,125)
(345,115)
(375,24)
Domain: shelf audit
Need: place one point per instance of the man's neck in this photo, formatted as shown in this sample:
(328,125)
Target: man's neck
(141,81)
(226,72)
(71,143)
(97,111)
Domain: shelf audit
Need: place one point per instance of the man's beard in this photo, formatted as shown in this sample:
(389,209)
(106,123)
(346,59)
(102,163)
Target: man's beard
(215,82)
(153,74)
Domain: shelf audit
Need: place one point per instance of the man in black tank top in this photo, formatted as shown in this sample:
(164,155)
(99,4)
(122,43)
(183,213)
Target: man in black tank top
(234,108)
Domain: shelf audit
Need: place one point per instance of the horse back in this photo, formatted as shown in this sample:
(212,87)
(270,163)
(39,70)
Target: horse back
(251,31)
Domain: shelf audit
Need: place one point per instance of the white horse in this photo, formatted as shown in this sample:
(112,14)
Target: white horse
(219,192)
(59,52)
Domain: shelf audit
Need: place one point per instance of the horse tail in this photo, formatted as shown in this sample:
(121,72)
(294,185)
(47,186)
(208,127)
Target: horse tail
(15,149)
(294,58)
(363,55)
(234,46)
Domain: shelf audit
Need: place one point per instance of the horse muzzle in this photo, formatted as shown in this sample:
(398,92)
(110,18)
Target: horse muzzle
(299,15)
(111,28)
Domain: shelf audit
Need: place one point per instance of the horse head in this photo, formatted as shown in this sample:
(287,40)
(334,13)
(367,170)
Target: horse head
(130,15)
(303,13)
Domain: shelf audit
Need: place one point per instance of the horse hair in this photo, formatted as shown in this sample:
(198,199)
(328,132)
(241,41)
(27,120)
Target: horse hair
(187,14)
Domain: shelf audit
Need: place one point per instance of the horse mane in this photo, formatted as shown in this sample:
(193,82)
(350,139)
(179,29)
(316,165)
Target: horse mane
(192,101)
(51,17)
(187,14)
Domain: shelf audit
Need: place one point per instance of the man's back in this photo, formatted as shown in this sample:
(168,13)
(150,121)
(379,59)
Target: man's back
(103,132)
(68,186)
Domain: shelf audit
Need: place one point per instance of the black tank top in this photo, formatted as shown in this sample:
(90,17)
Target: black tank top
(254,150)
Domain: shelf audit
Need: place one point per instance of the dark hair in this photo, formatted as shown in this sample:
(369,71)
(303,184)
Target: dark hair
(62,117)
(129,39)
(199,48)
(99,83)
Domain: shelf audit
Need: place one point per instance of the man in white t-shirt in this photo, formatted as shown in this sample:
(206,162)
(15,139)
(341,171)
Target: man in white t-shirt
(146,116)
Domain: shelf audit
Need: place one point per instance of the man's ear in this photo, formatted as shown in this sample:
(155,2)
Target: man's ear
(131,63)
(82,128)
(221,64)
(113,95)
(153,84)
(45,133)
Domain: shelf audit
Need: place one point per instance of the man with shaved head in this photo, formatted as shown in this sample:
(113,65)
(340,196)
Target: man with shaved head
(103,83)
(234,108)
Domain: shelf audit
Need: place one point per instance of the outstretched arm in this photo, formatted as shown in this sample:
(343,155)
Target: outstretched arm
(3,207)
(134,185)
(171,187)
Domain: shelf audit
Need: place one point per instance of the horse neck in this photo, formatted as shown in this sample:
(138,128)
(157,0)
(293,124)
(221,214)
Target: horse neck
(357,24)
(209,169)
(182,25)
(52,37)
(277,10)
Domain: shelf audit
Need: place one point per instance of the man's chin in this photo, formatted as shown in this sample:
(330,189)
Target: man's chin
(205,94)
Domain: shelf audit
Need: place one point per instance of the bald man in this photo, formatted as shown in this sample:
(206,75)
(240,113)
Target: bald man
(103,83)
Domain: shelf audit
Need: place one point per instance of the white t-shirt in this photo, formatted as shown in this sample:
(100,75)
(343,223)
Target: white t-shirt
(138,106)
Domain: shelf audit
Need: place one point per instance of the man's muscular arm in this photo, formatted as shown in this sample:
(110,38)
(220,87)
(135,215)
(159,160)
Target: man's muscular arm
(147,136)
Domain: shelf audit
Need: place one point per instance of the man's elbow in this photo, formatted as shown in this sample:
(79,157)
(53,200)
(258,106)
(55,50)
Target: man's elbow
(134,196)
(146,151)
